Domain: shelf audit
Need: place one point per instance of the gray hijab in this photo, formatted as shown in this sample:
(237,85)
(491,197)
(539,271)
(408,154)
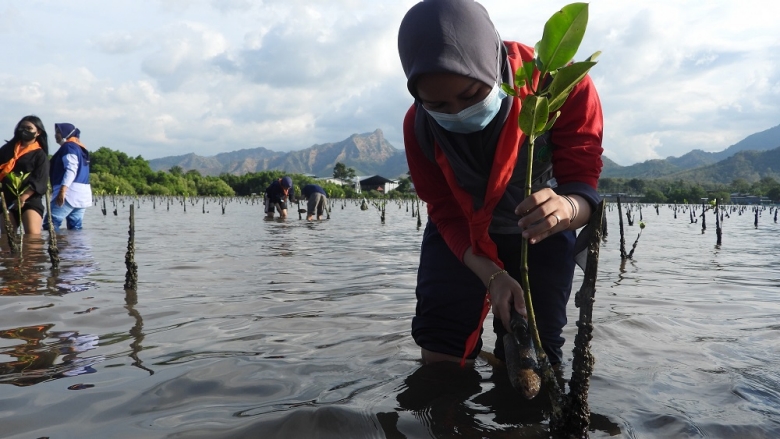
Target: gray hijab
(456,36)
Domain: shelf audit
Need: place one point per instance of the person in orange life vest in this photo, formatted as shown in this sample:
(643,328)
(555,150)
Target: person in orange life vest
(276,196)
(467,158)
(26,152)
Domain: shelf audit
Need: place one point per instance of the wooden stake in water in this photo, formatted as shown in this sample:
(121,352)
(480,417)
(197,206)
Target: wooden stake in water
(718,231)
(54,252)
(10,233)
(131,277)
(703,218)
(419,217)
(604,226)
(623,254)
(576,412)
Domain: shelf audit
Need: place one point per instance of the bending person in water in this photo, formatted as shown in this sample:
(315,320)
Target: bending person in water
(276,196)
(316,201)
(466,157)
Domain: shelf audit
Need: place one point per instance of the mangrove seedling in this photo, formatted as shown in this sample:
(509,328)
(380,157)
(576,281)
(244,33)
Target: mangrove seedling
(17,188)
(539,110)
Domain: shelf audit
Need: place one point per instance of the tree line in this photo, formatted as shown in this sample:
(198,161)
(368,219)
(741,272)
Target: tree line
(679,191)
(114,172)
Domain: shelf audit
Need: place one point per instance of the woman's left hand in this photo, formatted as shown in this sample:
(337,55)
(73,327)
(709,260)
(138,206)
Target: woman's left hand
(542,214)
(60,199)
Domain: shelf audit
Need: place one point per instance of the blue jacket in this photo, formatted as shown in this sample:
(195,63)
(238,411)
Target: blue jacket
(57,169)
(275,193)
(310,189)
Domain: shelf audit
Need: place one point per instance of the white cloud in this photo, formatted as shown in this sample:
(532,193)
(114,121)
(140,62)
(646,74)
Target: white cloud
(207,76)
(118,43)
(184,51)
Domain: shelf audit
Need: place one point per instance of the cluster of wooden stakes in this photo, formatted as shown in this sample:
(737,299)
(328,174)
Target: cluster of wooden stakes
(694,212)
(570,413)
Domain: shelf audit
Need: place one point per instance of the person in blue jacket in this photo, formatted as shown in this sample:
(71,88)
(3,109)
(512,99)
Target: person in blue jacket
(69,174)
(276,196)
(317,200)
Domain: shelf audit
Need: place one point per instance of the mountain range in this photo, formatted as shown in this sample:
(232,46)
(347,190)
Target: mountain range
(368,154)
(752,158)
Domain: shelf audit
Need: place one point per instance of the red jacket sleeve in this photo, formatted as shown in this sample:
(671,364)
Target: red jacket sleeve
(577,136)
(431,186)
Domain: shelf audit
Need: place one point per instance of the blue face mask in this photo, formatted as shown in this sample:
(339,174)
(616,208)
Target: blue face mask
(474,118)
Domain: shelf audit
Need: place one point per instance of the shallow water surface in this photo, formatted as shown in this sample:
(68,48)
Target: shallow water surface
(242,327)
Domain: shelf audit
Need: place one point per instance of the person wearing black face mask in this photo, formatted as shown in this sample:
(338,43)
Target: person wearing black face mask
(26,152)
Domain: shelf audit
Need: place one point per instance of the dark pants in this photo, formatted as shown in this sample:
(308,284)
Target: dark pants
(34,202)
(450,295)
(272,203)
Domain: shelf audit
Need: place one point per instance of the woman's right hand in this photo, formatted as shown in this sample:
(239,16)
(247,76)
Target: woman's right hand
(506,292)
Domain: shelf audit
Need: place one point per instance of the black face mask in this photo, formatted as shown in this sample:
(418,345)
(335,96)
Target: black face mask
(26,135)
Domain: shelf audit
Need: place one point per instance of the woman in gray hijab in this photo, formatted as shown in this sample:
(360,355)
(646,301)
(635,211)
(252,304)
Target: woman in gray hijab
(466,157)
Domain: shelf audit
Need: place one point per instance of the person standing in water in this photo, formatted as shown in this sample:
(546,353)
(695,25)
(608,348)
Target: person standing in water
(467,159)
(26,153)
(69,174)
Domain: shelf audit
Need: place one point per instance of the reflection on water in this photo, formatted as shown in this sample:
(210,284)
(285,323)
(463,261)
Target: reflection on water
(293,329)
(131,300)
(30,273)
(45,355)
(22,273)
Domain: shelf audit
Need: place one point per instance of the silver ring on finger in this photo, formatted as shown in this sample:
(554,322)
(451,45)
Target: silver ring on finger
(557,220)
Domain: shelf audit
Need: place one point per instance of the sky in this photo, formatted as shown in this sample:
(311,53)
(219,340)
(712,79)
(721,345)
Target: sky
(159,78)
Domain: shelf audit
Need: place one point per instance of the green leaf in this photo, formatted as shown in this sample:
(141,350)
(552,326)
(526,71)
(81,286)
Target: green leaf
(533,115)
(551,122)
(562,36)
(520,78)
(508,89)
(565,80)
(528,68)
(17,179)
(593,57)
